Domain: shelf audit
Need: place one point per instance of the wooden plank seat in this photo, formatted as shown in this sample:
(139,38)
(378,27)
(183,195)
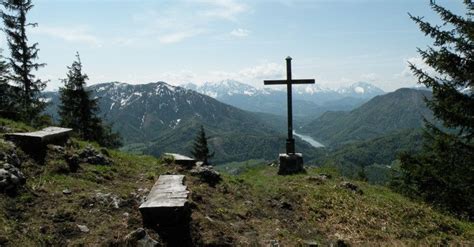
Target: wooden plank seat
(166,204)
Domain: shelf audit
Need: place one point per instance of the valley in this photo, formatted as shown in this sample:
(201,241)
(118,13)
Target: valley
(156,117)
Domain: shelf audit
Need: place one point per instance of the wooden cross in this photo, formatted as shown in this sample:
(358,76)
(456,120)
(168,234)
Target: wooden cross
(290,142)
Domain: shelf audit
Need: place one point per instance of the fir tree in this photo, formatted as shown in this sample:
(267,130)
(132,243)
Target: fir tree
(200,149)
(22,57)
(443,172)
(8,101)
(78,110)
(4,74)
(4,70)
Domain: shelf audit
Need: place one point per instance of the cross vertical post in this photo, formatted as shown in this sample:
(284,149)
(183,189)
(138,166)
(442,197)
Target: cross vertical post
(290,142)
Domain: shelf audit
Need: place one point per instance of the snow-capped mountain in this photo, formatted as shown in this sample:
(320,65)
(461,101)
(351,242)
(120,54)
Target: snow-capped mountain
(309,99)
(311,92)
(250,98)
(146,109)
(157,117)
(310,89)
(360,90)
(226,88)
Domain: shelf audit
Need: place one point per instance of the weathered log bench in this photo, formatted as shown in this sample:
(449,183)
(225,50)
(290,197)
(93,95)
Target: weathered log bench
(181,159)
(166,205)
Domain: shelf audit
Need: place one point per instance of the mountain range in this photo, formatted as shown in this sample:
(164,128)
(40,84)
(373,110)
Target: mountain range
(156,117)
(308,100)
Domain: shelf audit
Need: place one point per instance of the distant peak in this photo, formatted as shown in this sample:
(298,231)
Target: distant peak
(362,84)
(360,88)
(226,82)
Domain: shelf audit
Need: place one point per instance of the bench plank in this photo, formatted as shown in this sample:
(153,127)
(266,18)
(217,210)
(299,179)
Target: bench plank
(44,135)
(168,191)
(167,201)
(182,159)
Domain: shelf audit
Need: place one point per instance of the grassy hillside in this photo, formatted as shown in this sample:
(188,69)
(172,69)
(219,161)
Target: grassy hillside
(103,198)
(402,109)
(256,207)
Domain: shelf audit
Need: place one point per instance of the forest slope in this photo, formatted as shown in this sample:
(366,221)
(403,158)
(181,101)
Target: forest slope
(402,109)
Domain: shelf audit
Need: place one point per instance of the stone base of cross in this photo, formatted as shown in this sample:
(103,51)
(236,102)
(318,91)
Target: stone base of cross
(290,162)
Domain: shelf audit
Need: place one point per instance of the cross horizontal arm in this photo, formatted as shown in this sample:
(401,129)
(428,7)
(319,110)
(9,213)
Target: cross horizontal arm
(298,81)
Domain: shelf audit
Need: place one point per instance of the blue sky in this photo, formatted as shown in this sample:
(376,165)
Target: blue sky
(337,42)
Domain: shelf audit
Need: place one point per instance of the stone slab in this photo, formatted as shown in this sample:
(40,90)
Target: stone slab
(291,164)
(166,203)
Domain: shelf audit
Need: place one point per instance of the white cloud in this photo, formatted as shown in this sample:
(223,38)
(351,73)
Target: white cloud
(186,19)
(179,77)
(370,77)
(251,75)
(240,32)
(178,36)
(124,41)
(263,71)
(223,9)
(419,63)
(54,81)
(71,34)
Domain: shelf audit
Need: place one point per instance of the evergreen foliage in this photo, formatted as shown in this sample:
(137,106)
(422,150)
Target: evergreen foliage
(7,92)
(23,56)
(78,110)
(200,149)
(4,70)
(443,172)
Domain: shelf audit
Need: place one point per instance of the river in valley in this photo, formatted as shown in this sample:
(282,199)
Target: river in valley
(309,140)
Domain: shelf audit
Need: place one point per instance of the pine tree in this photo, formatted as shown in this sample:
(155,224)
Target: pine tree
(8,100)
(78,110)
(4,74)
(22,57)
(443,172)
(200,149)
(4,87)
(4,70)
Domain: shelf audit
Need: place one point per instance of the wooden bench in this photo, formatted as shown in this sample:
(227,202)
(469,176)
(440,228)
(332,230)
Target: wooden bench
(47,135)
(181,159)
(34,143)
(166,204)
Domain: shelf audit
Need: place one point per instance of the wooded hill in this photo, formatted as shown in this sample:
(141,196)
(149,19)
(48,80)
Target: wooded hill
(399,110)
